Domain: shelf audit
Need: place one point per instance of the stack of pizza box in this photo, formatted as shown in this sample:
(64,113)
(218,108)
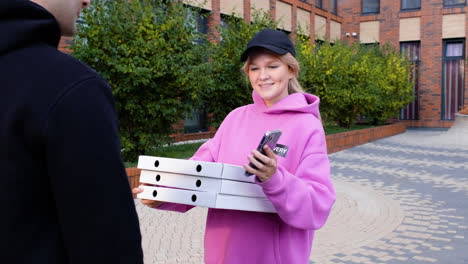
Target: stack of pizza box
(201,183)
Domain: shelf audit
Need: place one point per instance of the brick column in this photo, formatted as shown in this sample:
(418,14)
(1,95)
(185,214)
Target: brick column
(273,9)
(465,102)
(247,11)
(214,20)
(293,34)
(431,63)
(389,23)
(312,26)
(351,13)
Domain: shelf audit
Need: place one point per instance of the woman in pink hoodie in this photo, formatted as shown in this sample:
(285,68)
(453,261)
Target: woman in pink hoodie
(298,185)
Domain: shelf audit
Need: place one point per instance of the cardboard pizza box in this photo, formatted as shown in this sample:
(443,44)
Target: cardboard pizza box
(207,199)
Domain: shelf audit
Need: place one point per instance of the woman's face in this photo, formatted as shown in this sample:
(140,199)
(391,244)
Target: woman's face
(269,77)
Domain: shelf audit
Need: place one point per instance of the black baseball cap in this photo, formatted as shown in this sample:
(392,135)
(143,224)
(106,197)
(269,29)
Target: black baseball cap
(272,40)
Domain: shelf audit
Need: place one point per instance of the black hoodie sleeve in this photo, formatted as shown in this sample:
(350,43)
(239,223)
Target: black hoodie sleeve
(95,208)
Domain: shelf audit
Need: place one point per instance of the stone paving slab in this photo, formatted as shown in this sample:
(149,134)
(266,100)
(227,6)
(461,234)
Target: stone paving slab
(400,200)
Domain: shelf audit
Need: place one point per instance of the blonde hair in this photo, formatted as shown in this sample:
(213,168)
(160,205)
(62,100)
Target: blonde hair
(288,59)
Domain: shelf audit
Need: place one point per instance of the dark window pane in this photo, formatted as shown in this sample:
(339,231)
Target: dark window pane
(195,122)
(410,50)
(318,3)
(410,4)
(454,50)
(454,2)
(370,6)
(453,76)
(334,6)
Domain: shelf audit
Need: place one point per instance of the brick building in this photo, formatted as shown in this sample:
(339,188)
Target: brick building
(431,33)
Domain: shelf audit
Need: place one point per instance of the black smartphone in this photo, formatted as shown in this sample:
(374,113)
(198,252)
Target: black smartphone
(270,138)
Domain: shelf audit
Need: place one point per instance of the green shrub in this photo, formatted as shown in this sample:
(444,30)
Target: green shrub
(225,87)
(393,86)
(146,51)
(354,80)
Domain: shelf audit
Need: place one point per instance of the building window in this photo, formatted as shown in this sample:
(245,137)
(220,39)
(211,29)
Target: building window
(318,3)
(370,6)
(410,4)
(334,6)
(195,122)
(371,45)
(198,22)
(450,3)
(453,77)
(410,50)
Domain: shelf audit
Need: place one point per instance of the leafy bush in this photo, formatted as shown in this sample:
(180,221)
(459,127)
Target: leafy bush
(355,80)
(393,87)
(225,87)
(146,50)
(160,69)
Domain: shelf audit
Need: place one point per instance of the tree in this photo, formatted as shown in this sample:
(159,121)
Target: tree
(147,51)
(354,81)
(226,87)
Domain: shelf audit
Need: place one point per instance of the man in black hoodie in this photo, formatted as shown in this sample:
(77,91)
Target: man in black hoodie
(64,193)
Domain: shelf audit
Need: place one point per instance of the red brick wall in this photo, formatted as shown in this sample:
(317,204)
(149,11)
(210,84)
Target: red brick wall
(466,54)
(431,61)
(342,141)
(431,13)
(390,23)
(214,20)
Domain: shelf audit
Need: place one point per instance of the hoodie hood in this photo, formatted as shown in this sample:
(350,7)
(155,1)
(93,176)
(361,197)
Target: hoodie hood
(23,23)
(296,102)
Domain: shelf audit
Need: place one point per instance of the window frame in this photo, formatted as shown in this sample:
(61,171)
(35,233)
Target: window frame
(453,5)
(417,64)
(334,10)
(196,122)
(319,4)
(445,43)
(372,12)
(410,9)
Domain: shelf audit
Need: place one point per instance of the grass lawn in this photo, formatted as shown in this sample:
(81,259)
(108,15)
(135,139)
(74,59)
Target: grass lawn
(184,151)
(334,129)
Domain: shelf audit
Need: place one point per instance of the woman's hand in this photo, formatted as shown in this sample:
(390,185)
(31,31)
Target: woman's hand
(150,203)
(266,165)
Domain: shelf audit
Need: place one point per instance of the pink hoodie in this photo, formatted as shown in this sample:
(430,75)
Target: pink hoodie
(300,190)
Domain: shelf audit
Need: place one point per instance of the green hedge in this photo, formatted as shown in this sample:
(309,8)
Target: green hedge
(355,81)
(145,49)
(226,87)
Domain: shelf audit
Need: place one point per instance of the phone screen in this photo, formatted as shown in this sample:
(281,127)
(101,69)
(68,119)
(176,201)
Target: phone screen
(270,138)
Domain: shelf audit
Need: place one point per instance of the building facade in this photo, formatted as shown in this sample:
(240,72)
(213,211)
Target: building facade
(430,33)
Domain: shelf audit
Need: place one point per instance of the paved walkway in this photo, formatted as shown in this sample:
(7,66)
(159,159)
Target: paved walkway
(400,200)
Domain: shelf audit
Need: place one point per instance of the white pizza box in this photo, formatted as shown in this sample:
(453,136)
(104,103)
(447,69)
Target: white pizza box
(182,166)
(199,183)
(193,167)
(236,173)
(206,199)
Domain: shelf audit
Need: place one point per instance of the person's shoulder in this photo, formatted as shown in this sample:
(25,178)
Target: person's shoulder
(75,68)
(241,109)
(61,66)
(306,122)
(237,112)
